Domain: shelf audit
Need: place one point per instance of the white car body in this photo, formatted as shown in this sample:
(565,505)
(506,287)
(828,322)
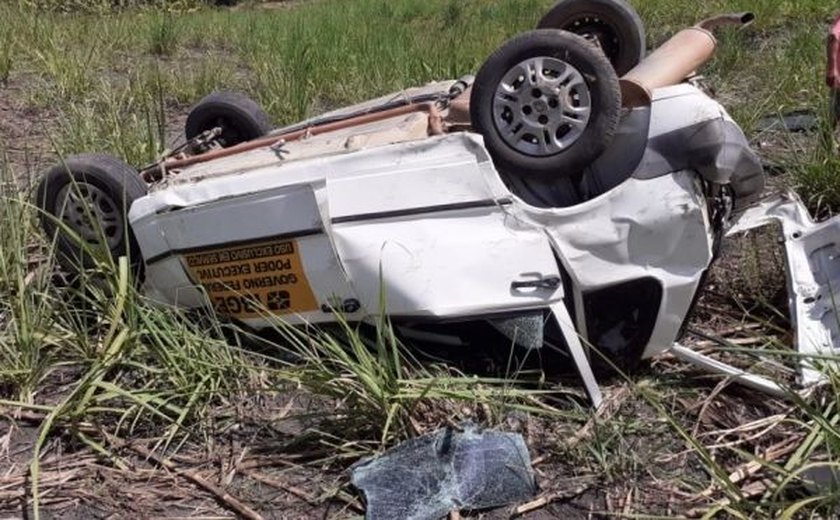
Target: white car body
(384,218)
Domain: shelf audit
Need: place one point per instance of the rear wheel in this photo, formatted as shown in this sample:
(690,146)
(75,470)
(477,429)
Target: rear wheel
(239,117)
(612,24)
(547,103)
(89,195)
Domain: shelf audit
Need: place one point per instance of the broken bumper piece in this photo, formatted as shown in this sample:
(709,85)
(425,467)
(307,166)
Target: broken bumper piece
(812,258)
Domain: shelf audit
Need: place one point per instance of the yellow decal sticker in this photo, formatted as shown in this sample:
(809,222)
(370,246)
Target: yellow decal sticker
(248,281)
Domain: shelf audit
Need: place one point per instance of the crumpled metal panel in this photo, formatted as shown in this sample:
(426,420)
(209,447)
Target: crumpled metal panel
(707,141)
(643,228)
(427,477)
(812,253)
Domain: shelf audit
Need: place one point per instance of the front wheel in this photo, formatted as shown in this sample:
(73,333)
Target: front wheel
(547,103)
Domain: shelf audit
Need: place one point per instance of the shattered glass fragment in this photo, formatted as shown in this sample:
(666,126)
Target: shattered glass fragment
(429,476)
(525,331)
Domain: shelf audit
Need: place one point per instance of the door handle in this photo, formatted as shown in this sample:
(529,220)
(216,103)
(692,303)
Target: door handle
(548,282)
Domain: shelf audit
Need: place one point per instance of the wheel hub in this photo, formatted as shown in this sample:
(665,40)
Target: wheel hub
(542,106)
(599,32)
(90,212)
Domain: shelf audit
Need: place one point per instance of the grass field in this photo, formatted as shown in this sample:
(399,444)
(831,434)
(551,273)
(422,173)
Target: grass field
(110,405)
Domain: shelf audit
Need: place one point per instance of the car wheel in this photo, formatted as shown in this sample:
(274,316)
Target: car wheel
(613,24)
(547,103)
(239,117)
(89,194)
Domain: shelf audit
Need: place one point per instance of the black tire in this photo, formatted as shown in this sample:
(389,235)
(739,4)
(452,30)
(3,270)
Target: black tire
(86,185)
(592,69)
(240,118)
(614,23)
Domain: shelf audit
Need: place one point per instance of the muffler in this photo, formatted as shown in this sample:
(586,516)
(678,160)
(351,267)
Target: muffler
(676,59)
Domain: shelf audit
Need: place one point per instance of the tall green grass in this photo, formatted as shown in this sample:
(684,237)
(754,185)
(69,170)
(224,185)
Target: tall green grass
(26,339)
(107,6)
(383,390)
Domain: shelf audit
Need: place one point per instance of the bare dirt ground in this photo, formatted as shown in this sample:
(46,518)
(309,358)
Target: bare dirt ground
(24,130)
(263,460)
(255,469)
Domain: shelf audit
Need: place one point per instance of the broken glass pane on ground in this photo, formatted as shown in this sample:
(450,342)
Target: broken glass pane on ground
(447,470)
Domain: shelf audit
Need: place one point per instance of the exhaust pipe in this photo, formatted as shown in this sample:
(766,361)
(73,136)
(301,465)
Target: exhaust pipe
(676,59)
(739,19)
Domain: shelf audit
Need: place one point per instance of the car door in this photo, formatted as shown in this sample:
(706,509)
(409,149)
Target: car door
(421,230)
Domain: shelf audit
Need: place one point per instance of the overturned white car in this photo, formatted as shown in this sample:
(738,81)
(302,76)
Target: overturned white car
(546,199)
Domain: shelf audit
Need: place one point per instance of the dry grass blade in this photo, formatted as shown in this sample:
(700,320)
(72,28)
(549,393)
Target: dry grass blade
(300,493)
(608,408)
(223,496)
(531,506)
(282,486)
